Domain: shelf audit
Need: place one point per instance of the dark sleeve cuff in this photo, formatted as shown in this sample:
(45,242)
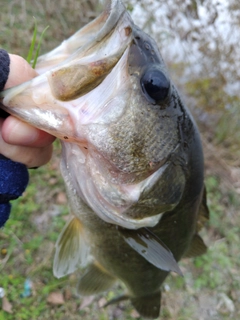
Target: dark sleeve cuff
(4,68)
(13,182)
(5,209)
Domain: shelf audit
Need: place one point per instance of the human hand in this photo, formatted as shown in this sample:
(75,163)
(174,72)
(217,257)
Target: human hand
(18,140)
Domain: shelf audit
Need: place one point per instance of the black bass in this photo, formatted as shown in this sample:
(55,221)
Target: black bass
(132,159)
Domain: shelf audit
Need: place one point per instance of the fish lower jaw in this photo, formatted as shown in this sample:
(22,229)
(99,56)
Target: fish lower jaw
(130,206)
(117,214)
(123,221)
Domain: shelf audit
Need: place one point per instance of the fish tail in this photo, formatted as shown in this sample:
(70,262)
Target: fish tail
(148,306)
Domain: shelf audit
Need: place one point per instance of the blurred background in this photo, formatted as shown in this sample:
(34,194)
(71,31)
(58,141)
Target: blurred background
(199,41)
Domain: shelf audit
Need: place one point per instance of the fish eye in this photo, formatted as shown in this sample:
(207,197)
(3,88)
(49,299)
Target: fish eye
(155,84)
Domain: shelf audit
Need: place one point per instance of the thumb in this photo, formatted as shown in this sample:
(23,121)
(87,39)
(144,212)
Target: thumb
(20,71)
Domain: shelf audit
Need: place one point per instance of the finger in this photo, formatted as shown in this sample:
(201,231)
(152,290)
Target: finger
(31,157)
(20,71)
(16,132)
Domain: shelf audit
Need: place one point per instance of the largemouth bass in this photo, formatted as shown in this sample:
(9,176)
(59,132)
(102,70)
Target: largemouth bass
(132,159)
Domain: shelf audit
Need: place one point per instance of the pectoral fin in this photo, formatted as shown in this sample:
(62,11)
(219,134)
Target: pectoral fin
(95,280)
(71,249)
(151,248)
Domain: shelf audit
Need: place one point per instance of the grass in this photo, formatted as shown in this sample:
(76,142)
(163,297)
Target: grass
(33,46)
(210,288)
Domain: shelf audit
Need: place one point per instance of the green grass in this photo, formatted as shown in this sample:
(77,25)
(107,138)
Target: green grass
(33,45)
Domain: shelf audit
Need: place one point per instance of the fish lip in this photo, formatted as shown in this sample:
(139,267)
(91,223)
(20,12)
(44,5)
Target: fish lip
(115,218)
(118,216)
(134,225)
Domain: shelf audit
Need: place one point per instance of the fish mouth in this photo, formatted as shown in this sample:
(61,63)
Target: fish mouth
(69,72)
(83,87)
(85,39)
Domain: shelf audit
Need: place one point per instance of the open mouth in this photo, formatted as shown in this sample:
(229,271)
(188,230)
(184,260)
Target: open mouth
(70,71)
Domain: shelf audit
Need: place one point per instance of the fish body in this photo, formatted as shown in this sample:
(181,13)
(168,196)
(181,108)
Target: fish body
(132,159)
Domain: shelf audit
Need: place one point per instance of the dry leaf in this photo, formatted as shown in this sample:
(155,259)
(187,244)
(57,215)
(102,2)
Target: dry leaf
(67,294)
(86,301)
(55,298)
(52,181)
(61,198)
(6,305)
(135,314)
(102,302)
(117,312)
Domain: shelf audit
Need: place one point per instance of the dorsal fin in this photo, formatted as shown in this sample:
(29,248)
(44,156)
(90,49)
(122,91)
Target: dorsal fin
(149,246)
(203,213)
(196,248)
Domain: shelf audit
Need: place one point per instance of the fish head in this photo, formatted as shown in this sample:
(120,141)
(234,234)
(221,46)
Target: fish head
(106,93)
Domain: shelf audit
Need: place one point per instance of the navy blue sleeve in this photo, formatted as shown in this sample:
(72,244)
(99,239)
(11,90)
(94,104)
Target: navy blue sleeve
(13,182)
(4,72)
(4,68)
(13,175)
